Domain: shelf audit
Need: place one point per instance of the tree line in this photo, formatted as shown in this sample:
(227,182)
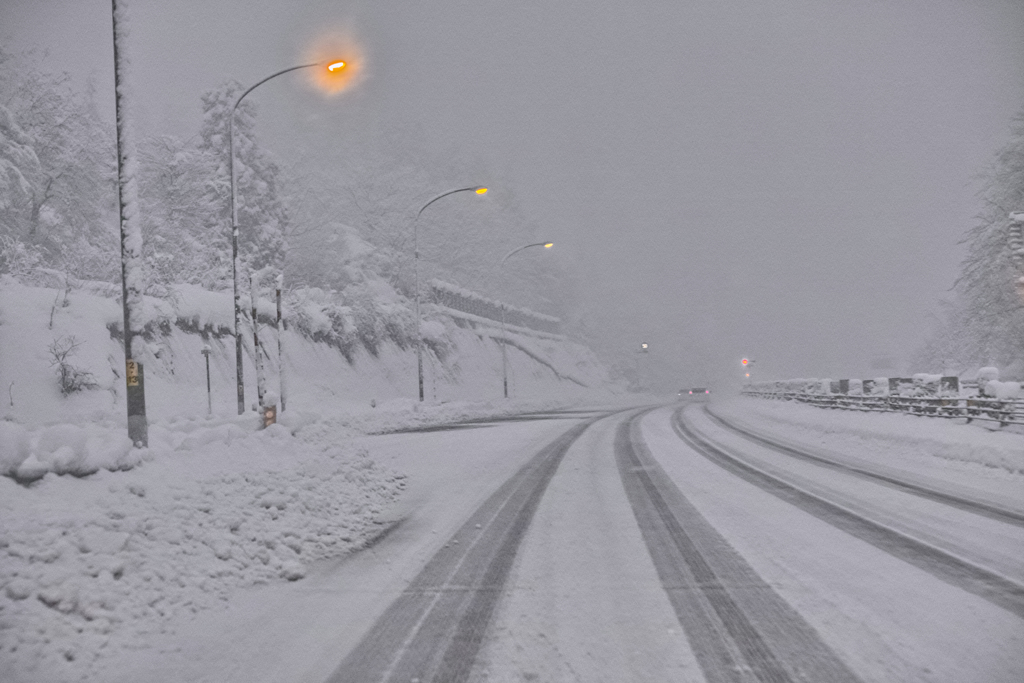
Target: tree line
(349,230)
(983,324)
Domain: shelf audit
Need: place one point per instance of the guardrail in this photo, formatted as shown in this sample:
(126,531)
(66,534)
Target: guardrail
(1003,411)
(459,299)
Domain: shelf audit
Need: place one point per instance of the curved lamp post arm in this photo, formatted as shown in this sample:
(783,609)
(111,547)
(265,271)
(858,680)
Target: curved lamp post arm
(231,134)
(475,188)
(546,245)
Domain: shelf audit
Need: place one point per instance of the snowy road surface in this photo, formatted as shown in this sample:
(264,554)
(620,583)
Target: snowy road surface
(666,544)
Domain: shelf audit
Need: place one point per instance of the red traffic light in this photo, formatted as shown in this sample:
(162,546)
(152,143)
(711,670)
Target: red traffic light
(744,361)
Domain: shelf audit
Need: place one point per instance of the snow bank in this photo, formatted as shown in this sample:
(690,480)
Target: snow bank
(27,455)
(95,564)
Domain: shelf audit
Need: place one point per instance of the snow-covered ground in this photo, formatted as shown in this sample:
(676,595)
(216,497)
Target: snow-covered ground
(116,562)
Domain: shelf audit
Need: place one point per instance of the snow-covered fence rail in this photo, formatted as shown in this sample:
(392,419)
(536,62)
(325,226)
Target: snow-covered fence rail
(922,395)
(459,299)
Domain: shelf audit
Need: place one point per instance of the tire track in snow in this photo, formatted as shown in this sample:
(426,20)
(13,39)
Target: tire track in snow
(956,571)
(977,507)
(433,630)
(739,628)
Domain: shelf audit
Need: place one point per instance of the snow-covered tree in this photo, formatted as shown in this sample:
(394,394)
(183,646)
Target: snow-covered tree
(262,212)
(19,173)
(985,323)
(63,203)
(181,244)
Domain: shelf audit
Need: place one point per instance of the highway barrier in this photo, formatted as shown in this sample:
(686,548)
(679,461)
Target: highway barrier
(921,395)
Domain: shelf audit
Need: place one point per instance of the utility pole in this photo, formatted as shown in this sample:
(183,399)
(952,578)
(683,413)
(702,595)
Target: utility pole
(132,282)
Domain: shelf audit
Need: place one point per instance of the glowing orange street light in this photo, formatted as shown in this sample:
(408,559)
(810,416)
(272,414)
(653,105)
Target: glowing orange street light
(744,361)
(336,66)
(481,190)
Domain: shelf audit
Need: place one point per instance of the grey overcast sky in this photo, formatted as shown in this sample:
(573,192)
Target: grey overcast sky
(785,180)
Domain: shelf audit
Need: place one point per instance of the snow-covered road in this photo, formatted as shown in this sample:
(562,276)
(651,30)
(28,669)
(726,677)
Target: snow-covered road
(660,544)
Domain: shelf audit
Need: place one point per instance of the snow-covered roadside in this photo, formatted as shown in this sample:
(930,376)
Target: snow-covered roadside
(104,557)
(89,565)
(933,451)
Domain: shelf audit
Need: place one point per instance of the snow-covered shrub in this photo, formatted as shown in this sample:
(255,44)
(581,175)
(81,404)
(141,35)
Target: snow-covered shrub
(69,378)
(435,338)
(17,258)
(987,374)
(366,314)
(1003,391)
(369,326)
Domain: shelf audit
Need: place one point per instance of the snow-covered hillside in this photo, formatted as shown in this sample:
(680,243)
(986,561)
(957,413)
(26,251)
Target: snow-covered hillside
(464,362)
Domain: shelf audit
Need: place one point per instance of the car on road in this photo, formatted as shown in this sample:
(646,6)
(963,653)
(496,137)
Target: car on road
(695,391)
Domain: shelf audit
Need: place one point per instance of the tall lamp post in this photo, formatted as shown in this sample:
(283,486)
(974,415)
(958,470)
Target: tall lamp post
(504,331)
(478,189)
(334,66)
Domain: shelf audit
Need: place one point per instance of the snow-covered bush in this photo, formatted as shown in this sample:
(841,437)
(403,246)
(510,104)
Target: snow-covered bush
(1003,391)
(365,314)
(69,377)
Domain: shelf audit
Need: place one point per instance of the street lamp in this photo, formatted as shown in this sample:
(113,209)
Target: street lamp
(334,66)
(642,352)
(504,332)
(478,189)
(746,363)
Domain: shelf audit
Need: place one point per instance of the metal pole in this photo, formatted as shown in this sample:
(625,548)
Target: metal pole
(209,392)
(235,270)
(280,349)
(416,279)
(504,351)
(131,251)
(416,285)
